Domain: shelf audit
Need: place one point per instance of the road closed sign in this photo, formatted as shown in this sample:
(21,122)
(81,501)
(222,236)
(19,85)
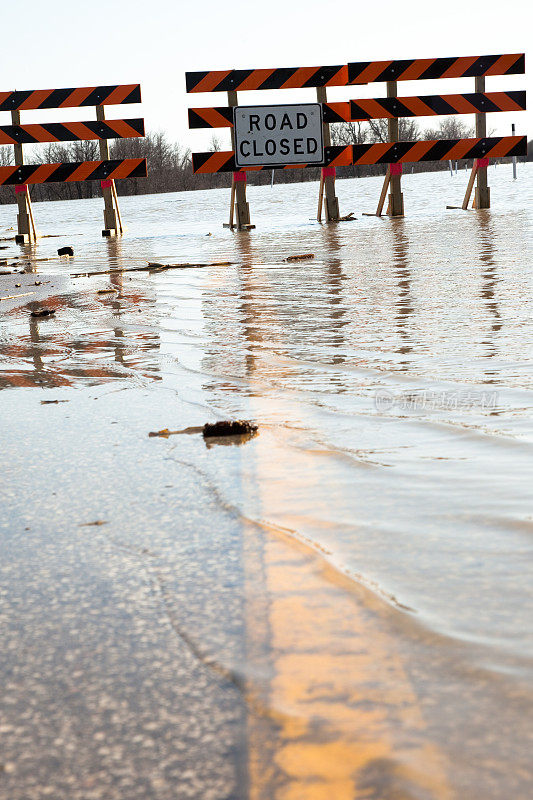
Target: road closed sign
(275,136)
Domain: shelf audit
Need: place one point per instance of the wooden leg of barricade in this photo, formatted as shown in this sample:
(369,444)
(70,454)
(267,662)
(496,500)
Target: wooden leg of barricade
(331,203)
(470,186)
(395,207)
(26,233)
(383,195)
(30,213)
(232,204)
(25,224)
(238,185)
(395,197)
(238,204)
(328,173)
(242,207)
(115,198)
(382,198)
(110,218)
(320,197)
(482,195)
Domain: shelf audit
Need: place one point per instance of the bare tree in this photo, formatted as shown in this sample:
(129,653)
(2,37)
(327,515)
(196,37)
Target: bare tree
(6,156)
(344,133)
(450,128)
(374,130)
(408,130)
(215,144)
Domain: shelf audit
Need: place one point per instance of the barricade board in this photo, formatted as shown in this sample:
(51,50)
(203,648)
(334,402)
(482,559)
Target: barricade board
(111,169)
(70,98)
(386,153)
(357,72)
(71,131)
(428,69)
(386,108)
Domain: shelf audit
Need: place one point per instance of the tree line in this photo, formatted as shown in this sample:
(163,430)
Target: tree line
(170,167)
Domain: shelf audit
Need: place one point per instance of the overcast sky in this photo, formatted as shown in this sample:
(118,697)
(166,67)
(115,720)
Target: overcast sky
(64,43)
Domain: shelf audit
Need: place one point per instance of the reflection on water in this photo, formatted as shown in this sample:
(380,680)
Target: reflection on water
(384,507)
(489,287)
(91,337)
(400,249)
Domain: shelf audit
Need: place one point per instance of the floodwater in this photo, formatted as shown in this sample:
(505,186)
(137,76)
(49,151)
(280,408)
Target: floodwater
(339,607)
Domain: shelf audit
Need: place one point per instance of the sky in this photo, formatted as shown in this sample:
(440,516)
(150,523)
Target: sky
(68,44)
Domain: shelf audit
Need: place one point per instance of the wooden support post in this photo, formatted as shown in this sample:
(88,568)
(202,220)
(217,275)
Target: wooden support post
(331,204)
(514,157)
(25,225)
(238,189)
(383,195)
(320,197)
(115,198)
(395,197)
(110,218)
(30,213)
(232,204)
(482,196)
(470,186)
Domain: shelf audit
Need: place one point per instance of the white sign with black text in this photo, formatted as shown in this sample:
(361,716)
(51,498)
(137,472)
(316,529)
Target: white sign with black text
(274,136)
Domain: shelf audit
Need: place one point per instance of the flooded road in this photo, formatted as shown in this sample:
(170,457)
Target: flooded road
(339,607)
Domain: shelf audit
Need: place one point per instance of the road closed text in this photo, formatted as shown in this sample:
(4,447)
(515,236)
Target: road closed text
(278,135)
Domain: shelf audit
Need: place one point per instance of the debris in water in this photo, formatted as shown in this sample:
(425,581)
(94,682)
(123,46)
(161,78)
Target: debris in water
(50,402)
(348,218)
(91,524)
(43,312)
(106,291)
(65,251)
(165,433)
(232,427)
(303,257)
(16,296)
(153,266)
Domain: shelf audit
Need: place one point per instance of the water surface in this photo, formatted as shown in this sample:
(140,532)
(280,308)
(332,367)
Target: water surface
(339,607)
